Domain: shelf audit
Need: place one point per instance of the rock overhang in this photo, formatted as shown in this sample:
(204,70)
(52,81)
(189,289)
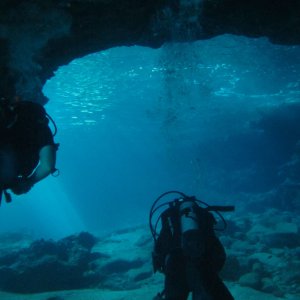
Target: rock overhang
(36,37)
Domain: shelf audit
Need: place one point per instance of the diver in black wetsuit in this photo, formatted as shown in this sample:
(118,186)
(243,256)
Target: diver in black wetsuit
(188,252)
(27,148)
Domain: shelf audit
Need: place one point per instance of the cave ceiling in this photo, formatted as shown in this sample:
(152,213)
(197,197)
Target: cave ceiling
(38,36)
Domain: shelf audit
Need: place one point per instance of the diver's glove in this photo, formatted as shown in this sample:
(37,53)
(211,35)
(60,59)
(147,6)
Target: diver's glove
(21,186)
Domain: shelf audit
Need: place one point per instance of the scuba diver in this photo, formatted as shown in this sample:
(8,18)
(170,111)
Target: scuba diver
(187,250)
(27,148)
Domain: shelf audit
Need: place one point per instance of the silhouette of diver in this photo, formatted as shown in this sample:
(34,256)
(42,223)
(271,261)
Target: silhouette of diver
(187,250)
(27,148)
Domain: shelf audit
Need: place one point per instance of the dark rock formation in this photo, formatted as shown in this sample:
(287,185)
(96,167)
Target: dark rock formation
(67,264)
(121,266)
(257,257)
(48,265)
(36,37)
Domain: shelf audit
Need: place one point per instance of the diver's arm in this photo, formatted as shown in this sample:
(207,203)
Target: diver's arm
(47,156)
(46,165)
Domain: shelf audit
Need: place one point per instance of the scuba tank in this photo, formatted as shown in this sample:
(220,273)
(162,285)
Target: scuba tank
(187,225)
(192,239)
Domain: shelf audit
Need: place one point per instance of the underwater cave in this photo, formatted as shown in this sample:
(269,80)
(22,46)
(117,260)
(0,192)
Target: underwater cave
(165,99)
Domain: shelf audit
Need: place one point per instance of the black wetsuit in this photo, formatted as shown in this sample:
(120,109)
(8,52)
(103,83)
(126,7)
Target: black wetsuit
(183,273)
(202,280)
(21,142)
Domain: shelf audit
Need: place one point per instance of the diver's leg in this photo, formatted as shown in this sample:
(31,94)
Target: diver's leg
(195,279)
(200,293)
(215,286)
(175,281)
(175,289)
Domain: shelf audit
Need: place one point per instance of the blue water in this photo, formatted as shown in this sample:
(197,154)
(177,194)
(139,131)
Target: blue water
(135,122)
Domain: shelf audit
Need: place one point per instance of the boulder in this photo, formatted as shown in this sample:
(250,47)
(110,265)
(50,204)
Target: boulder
(49,265)
(252,280)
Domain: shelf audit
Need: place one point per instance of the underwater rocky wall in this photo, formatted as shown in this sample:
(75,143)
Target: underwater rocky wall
(36,37)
